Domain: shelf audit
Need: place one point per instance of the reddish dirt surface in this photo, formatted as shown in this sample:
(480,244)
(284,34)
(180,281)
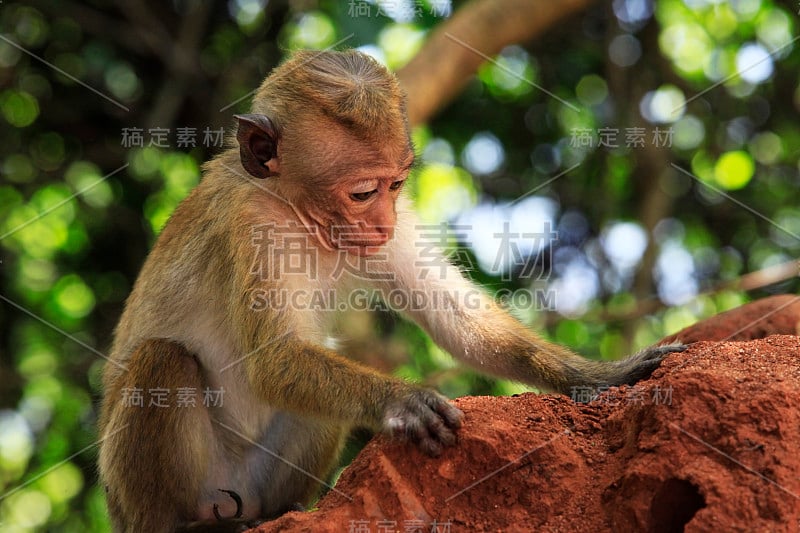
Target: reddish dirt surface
(710,442)
(776,315)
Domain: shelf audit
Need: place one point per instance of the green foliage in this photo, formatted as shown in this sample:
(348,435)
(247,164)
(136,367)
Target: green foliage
(75,223)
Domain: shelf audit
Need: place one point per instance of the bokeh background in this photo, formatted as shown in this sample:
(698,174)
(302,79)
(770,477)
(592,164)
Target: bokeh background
(633,169)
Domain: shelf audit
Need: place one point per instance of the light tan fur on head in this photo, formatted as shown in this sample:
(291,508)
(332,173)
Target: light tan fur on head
(351,88)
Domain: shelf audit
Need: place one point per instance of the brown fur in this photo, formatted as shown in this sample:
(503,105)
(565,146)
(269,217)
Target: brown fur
(317,174)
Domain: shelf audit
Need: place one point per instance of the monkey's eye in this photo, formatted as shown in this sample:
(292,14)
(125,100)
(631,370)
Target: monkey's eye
(362,196)
(396,185)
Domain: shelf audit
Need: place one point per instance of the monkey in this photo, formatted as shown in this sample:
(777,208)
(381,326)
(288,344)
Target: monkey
(309,199)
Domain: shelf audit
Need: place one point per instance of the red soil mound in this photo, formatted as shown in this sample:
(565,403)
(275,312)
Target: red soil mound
(710,442)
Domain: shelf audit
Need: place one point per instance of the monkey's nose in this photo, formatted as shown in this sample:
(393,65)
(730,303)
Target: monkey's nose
(387,232)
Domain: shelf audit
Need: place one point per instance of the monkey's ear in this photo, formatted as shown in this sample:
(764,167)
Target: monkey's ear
(258,145)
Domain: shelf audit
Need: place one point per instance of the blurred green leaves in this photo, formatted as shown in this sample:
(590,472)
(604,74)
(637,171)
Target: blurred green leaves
(720,77)
(510,75)
(734,170)
(180,173)
(443,191)
(19,108)
(73,297)
(313,30)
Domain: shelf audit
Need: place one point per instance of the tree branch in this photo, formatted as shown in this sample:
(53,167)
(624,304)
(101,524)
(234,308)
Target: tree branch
(438,73)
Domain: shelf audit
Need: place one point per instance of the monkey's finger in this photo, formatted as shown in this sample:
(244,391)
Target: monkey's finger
(416,429)
(431,447)
(666,349)
(397,428)
(439,431)
(641,364)
(659,352)
(452,415)
(428,440)
(421,430)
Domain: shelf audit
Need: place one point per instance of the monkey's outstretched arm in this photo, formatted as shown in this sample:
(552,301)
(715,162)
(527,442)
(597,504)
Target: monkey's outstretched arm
(461,318)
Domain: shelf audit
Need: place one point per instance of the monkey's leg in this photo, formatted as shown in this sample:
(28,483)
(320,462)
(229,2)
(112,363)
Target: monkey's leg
(155,450)
(296,455)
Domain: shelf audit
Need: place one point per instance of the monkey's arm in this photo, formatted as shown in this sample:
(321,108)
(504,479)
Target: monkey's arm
(469,324)
(310,380)
(286,365)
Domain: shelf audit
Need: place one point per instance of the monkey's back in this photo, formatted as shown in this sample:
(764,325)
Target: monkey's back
(187,273)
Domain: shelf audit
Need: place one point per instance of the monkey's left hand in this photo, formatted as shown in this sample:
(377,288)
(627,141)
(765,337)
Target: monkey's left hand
(423,417)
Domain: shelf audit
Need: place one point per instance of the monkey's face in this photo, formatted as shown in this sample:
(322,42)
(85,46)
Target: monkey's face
(342,181)
(367,214)
(356,214)
(350,188)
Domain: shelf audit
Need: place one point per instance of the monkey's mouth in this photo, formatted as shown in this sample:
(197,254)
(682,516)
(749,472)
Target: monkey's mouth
(362,247)
(359,241)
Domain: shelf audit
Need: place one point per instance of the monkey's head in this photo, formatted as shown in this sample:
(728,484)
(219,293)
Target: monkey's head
(329,132)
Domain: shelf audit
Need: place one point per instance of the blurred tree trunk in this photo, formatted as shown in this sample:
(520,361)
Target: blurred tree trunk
(475,33)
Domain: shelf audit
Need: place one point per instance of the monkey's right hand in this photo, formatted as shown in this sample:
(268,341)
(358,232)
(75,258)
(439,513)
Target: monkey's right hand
(423,417)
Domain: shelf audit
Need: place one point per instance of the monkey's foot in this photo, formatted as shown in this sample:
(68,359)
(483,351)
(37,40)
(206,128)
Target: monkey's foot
(227,525)
(236,498)
(234,524)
